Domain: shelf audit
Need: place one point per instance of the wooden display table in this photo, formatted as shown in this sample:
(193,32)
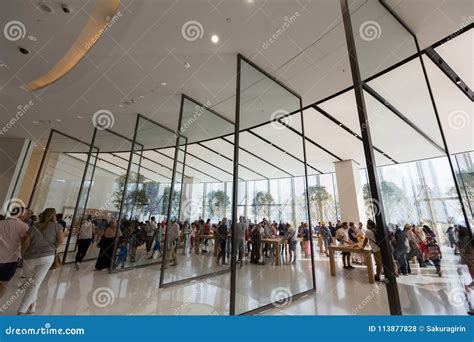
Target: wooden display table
(365,252)
(277,243)
(204,237)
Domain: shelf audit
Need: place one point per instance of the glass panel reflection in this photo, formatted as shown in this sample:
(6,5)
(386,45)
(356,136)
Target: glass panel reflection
(273,239)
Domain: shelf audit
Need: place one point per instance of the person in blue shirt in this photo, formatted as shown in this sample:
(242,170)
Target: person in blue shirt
(327,237)
(122,252)
(306,240)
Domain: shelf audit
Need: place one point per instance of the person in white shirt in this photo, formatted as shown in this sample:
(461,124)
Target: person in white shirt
(342,235)
(84,240)
(241,228)
(13,237)
(372,241)
(150,230)
(172,239)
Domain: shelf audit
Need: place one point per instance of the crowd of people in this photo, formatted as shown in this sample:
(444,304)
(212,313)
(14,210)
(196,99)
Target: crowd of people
(32,242)
(203,234)
(411,241)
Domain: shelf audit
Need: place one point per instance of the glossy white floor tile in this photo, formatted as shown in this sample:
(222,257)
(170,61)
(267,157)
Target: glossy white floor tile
(135,292)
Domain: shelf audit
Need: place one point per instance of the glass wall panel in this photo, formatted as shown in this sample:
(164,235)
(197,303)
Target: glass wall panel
(269,271)
(146,196)
(102,204)
(416,205)
(203,199)
(59,183)
(465,176)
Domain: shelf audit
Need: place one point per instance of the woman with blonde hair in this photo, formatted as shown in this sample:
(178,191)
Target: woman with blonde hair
(42,240)
(422,243)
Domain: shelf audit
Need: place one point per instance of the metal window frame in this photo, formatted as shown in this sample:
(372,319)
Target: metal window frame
(233,276)
(119,218)
(436,113)
(139,118)
(382,229)
(179,135)
(39,175)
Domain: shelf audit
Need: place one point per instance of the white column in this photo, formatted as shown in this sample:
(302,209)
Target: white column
(187,206)
(14,155)
(349,189)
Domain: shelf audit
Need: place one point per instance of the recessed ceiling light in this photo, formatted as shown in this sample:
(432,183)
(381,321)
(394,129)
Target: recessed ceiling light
(163,84)
(36,122)
(458,81)
(58,120)
(187,65)
(142,96)
(45,8)
(65,8)
(23,50)
(215,39)
(80,117)
(32,38)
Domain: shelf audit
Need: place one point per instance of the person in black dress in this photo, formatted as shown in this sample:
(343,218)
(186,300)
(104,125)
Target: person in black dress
(256,243)
(106,245)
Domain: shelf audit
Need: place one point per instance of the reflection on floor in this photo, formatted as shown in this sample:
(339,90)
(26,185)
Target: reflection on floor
(135,292)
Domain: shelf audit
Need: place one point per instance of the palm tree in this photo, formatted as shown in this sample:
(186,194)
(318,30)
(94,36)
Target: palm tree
(174,201)
(135,195)
(392,197)
(318,198)
(217,202)
(262,202)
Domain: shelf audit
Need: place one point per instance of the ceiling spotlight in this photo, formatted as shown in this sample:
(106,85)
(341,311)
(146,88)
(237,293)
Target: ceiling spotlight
(142,96)
(58,120)
(187,65)
(163,84)
(80,117)
(32,38)
(66,9)
(36,122)
(215,39)
(458,81)
(23,50)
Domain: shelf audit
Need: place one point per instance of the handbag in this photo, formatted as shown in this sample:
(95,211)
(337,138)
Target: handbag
(57,263)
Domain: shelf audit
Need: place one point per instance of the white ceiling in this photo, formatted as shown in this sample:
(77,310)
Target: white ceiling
(145,47)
